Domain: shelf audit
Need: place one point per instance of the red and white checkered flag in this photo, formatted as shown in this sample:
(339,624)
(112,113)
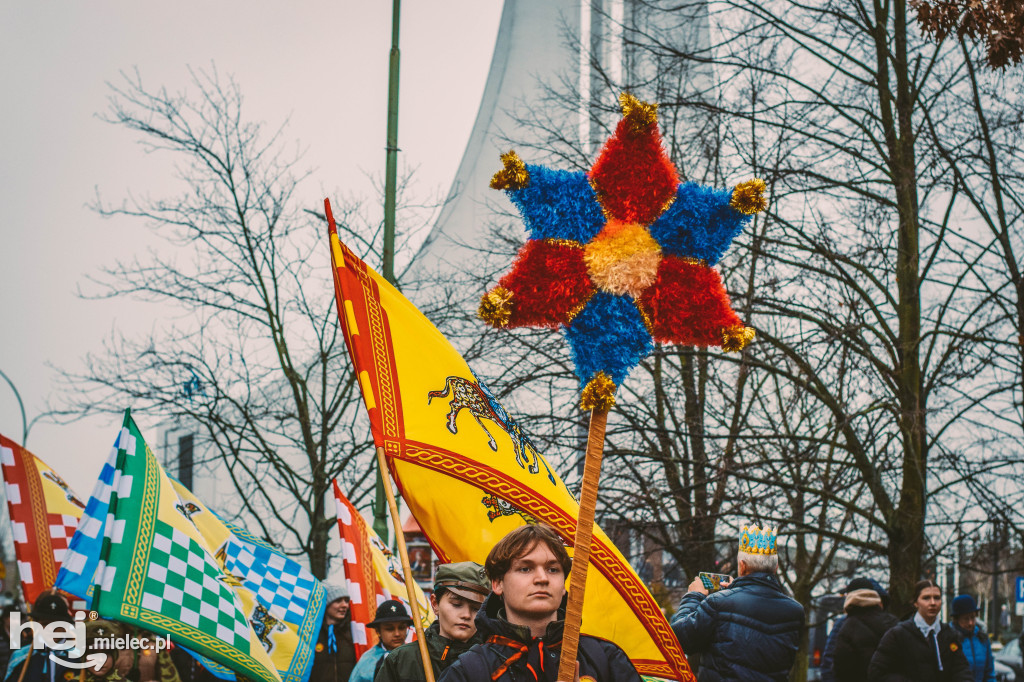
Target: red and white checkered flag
(373,574)
(44,513)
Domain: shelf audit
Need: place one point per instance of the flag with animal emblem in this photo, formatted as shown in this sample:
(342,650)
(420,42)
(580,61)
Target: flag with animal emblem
(157,571)
(467,470)
(283,601)
(44,513)
(372,572)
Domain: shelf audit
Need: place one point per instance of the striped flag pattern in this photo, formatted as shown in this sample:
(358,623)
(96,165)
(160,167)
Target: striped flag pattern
(373,574)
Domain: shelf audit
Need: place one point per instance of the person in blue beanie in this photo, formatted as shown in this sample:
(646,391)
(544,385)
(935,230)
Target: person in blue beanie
(973,638)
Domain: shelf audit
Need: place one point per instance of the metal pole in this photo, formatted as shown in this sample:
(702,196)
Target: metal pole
(21,405)
(995,611)
(391,168)
(380,521)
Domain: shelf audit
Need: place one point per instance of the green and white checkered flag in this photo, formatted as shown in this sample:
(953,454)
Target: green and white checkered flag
(157,572)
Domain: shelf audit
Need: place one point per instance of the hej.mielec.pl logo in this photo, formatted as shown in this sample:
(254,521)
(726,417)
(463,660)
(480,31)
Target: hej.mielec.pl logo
(62,636)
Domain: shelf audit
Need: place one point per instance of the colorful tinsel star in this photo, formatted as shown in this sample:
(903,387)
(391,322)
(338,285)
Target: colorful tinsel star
(622,256)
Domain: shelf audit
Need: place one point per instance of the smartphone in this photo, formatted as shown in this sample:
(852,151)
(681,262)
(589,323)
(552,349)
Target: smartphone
(713,582)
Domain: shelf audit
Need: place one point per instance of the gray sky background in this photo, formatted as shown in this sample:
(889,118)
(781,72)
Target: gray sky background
(323,65)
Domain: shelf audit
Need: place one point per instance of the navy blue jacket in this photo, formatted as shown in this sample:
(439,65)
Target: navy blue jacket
(978,651)
(828,656)
(511,654)
(748,631)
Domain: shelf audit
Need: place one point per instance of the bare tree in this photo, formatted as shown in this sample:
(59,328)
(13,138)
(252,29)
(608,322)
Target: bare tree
(249,349)
(878,283)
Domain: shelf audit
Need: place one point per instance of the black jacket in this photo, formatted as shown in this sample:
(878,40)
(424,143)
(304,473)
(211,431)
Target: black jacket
(904,655)
(334,666)
(513,648)
(748,631)
(859,635)
(404,663)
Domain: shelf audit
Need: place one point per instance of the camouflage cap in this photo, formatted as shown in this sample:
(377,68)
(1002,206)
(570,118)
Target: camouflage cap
(466,579)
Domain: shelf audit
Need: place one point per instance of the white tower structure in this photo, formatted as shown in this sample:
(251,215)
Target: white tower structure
(560,62)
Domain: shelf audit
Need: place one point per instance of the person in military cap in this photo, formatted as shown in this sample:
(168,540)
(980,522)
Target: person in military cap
(459,590)
(334,655)
(100,635)
(392,625)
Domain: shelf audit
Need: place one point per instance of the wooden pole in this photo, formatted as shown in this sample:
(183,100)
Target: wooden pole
(581,555)
(410,583)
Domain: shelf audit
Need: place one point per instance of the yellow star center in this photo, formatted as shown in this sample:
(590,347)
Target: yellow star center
(623,258)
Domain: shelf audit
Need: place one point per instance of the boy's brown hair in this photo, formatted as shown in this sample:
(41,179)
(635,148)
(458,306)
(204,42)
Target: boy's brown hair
(518,543)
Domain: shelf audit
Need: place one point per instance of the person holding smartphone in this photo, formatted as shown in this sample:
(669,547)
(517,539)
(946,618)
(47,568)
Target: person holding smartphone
(749,629)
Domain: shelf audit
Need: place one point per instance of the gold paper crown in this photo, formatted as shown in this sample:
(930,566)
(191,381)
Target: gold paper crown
(753,540)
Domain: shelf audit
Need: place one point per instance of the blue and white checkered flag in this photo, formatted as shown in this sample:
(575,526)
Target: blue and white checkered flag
(281,584)
(77,573)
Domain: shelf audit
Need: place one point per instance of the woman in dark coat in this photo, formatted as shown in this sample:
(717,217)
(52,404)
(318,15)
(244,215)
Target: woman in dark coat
(866,622)
(921,648)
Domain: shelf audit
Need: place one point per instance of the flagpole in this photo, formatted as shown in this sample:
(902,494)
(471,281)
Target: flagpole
(581,553)
(410,583)
(380,525)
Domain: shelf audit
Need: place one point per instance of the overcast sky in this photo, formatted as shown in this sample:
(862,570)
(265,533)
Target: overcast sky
(323,65)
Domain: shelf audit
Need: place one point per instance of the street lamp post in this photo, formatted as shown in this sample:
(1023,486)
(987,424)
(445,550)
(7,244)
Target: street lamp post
(21,406)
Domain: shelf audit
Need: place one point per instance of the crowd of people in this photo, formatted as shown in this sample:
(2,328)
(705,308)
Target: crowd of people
(503,622)
(869,643)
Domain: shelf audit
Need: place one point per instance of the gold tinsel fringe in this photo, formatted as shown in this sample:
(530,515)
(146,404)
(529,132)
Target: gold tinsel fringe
(514,174)
(578,309)
(737,338)
(640,115)
(748,197)
(599,393)
(496,307)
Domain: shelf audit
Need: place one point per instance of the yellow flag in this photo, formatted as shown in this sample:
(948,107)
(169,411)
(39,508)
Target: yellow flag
(284,601)
(467,470)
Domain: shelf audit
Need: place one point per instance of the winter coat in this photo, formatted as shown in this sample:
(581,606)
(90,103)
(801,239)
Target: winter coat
(40,667)
(827,670)
(748,631)
(334,666)
(978,651)
(404,663)
(514,649)
(368,665)
(904,655)
(862,630)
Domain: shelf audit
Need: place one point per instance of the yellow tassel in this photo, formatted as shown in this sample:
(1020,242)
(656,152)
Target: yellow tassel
(496,307)
(513,176)
(737,338)
(599,393)
(748,197)
(640,115)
